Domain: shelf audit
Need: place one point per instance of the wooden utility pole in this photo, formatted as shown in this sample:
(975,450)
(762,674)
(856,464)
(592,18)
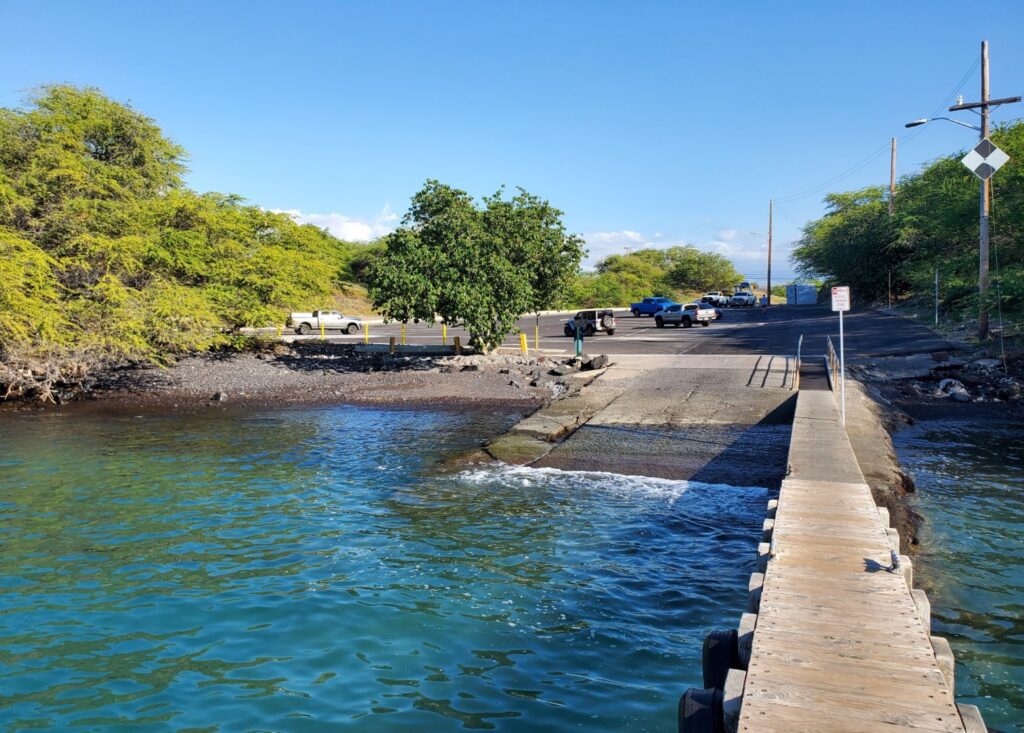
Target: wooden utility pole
(771,207)
(985,205)
(983,106)
(892,178)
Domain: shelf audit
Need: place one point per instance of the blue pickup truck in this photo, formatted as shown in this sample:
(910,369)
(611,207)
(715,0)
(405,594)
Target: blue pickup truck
(650,306)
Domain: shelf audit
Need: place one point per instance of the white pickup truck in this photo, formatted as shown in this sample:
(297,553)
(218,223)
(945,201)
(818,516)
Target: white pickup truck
(685,315)
(306,323)
(743,299)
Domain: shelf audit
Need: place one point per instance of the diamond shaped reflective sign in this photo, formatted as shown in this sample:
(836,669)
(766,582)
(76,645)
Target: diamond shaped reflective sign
(985,159)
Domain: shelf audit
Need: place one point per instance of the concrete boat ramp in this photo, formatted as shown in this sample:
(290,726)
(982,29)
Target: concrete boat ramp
(717,419)
(835,637)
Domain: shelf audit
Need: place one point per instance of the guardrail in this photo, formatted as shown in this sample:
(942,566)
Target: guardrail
(833,364)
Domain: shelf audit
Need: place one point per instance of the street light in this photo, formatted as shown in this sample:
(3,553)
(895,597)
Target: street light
(926,120)
(984,106)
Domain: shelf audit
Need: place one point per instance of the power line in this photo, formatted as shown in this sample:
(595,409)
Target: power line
(878,153)
(785,214)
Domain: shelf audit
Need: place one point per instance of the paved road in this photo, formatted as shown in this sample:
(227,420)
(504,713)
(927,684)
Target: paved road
(741,331)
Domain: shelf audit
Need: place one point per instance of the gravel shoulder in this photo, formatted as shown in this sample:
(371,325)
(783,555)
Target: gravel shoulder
(332,373)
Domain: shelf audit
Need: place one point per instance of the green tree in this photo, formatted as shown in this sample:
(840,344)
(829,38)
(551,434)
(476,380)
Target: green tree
(622,279)
(696,270)
(479,265)
(855,242)
(106,256)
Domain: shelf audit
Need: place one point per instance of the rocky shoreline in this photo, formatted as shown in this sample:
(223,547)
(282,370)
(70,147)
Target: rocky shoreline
(941,378)
(325,373)
(903,390)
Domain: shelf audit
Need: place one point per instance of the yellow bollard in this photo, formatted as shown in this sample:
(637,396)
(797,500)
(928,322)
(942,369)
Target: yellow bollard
(403,334)
(444,334)
(321,331)
(522,343)
(366,333)
(279,331)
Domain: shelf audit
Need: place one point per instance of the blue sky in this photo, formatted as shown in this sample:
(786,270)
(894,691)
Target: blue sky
(645,122)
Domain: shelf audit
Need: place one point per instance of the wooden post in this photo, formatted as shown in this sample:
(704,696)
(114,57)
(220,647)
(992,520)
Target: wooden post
(945,661)
(985,205)
(391,345)
(458,345)
(771,211)
(754,588)
(892,178)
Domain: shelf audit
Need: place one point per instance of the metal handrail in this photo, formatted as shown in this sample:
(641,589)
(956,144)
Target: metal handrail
(799,348)
(833,364)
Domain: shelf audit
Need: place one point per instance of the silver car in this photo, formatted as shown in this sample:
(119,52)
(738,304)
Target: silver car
(685,315)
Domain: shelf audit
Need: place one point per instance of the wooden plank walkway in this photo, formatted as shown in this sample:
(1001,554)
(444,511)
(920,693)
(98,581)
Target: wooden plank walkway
(839,644)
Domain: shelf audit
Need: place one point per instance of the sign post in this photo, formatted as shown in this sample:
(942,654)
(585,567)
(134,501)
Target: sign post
(840,303)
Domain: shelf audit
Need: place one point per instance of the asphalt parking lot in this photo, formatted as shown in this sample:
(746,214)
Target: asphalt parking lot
(774,330)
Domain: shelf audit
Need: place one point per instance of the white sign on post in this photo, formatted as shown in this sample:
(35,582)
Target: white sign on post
(841,298)
(840,303)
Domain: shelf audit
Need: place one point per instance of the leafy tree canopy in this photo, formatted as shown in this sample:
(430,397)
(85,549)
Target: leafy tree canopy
(105,255)
(678,271)
(479,265)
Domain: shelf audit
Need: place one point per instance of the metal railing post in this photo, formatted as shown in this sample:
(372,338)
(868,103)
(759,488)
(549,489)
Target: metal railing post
(799,349)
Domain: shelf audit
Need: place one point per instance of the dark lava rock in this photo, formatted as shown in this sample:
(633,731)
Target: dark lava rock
(561,370)
(220,397)
(471,368)
(972,377)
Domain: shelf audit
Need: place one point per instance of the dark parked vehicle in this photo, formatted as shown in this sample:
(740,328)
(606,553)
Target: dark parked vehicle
(590,322)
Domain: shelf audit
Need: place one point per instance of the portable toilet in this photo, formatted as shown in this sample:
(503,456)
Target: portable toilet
(798,294)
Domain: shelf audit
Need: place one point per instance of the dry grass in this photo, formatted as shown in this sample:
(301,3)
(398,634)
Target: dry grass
(353,301)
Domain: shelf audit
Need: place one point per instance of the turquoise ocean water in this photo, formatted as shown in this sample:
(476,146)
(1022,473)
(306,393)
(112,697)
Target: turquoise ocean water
(970,489)
(312,569)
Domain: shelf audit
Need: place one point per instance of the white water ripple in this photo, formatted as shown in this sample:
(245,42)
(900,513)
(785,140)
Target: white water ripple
(621,485)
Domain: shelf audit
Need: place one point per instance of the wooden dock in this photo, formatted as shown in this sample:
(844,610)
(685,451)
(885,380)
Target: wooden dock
(836,638)
(840,641)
